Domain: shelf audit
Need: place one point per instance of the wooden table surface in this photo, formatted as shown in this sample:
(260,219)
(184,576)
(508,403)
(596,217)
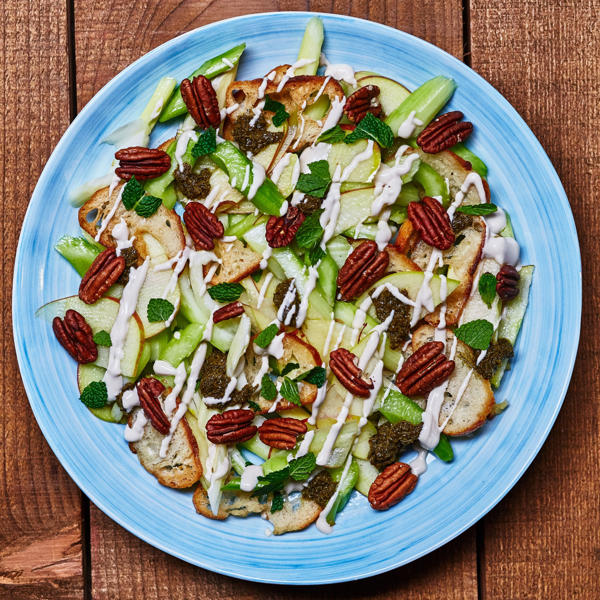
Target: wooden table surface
(543,539)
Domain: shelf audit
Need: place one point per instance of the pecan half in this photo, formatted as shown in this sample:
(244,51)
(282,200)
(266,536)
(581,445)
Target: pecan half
(103,273)
(201,101)
(281,432)
(231,427)
(202,225)
(392,485)
(342,363)
(149,391)
(508,282)
(427,368)
(75,336)
(363,101)
(443,133)
(281,230)
(362,268)
(229,311)
(433,223)
(144,163)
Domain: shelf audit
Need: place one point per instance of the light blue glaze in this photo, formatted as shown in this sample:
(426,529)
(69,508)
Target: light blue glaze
(448,498)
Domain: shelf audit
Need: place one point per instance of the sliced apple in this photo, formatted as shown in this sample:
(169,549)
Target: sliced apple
(266,155)
(355,208)
(286,183)
(367,474)
(343,441)
(391,93)
(344,154)
(85,375)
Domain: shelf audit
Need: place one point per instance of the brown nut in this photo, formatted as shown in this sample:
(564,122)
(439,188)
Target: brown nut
(424,370)
(392,485)
(433,223)
(281,432)
(443,133)
(144,163)
(282,230)
(75,336)
(101,276)
(342,364)
(149,391)
(202,225)
(229,311)
(231,427)
(361,102)
(363,267)
(201,101)
(507,285)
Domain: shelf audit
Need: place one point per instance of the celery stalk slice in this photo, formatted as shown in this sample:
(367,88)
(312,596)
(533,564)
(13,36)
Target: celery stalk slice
(311,45)
(478,165)
(78,251)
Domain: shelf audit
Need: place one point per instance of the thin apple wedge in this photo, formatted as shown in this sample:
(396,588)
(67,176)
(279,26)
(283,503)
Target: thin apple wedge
(391,93)
(344,155)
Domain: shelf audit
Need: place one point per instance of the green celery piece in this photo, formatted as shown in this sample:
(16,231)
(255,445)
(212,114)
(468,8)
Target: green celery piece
(508,229)
(257,447)
(232,485)
(432,182)
(277,461)
(158,186)
(427,100)
(408,194)
(339,248)
(398,214)
(345,487)
(246,223)
(157,101)
(238,462)
(169,196)
(326,281)
(311,45)
(210,69)
(78,251)
(178,349)
(478,165)
(365,231)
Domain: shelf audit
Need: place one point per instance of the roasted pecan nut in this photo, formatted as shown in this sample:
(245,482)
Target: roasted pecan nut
(507,284)
(443,133)
(427,368)
(144,163)
(149,391)
(342,363)
(231,427)
(392,485)
(362,268)
(201,101)
(76,337)
(363,101)
(229,311)
(281,230)
(433,223)
(103,273)
(281,432)
(202,225)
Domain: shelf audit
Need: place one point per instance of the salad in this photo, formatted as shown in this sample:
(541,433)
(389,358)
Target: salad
(304,291)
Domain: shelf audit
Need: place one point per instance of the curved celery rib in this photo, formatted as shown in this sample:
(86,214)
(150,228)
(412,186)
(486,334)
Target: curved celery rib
(311,45)
(78,251)
(478,165)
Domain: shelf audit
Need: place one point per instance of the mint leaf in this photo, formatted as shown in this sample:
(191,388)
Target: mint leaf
(315,254)
(274,366)
(226,292)
(94,395)
(132,192)
(333,135)
(256,275)
(477,334)
(289,368)
(301,468)
(487,288)
(272,482)
(267,388)
(316,376)
(159,309)
(277,502)
(147,206)
(317,181)
(289,391)
(266,336)
(279,109)
(206,144)
(255,407)
(310,232)
(477,209)
(371,128)
(102,338)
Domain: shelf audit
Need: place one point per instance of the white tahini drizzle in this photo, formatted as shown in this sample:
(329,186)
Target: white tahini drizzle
(341,72)
(292,71)
(120,233)
(263,84)
(106,220)
(136,431)
(263,289)
(407,127)
(249,477)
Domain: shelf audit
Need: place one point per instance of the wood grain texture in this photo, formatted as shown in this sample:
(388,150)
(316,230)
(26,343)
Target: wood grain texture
(543,541)
(40,533)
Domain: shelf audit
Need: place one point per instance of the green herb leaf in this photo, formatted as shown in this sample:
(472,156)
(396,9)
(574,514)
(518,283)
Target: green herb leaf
(371,128)
(487,288)
(226,292)
(147,206)
(274,365)
(266,336)
(256,275)
(477,334)
(132,192)
(159,309)
(477,209)
(94,395)
(279,109)
(272,482)
(459,239)
(333,135)
(310,232)
(289,368)
(102,338)
(277,502)
(206,144)
(317,181)
(267,388)
(301,468)
(289,391)
(255,407)
(316,376)
(315,254)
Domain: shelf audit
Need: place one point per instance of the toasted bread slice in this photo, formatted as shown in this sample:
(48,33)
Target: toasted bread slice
(477,401)
(181,468)
(238,262)
(239,504)
(297,513)
(399,262)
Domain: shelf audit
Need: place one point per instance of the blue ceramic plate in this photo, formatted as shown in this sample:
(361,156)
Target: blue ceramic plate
(449,498)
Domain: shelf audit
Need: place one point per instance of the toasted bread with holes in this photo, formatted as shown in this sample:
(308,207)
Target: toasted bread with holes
(477,401)
(297,513)
(295,93)
(181,468)
(238,504)
(238,262)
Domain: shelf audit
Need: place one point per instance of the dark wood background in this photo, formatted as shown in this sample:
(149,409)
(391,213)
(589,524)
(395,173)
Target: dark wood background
(543,540)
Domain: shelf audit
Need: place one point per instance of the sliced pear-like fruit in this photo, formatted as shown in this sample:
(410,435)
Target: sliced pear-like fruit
(355,208)
(344,154)
(391,93)
(286,182)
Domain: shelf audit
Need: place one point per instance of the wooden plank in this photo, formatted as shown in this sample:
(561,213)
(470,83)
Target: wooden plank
(108,37)
(544,538)
(40,532)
